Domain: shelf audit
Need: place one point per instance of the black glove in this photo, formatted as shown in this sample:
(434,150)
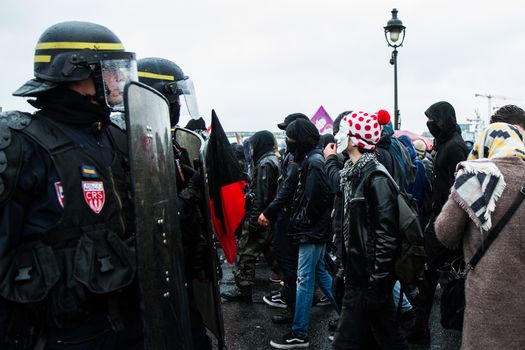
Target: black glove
(192,176)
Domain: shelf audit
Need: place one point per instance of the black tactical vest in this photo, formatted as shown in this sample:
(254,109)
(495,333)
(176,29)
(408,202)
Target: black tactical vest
(90,253)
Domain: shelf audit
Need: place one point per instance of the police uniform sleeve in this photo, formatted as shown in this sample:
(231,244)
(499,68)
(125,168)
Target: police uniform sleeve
(10,151)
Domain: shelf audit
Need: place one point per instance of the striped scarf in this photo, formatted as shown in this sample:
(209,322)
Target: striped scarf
(478,186)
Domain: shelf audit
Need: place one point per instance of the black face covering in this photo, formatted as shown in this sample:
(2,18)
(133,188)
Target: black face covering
(174,113)
(433,128)
(291,146)
(306,137)
(68,106)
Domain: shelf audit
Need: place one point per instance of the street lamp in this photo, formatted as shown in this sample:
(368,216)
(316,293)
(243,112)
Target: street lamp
(394,31)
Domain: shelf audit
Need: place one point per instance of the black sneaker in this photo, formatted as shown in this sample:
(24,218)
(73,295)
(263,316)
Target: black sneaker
(291,341)
(275,300)
(238,294)
(322,301)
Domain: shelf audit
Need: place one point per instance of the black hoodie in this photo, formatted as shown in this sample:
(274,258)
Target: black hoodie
(263,186)
(450,150)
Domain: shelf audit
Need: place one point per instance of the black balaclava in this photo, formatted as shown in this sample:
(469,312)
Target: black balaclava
(174,113)
(262,142)
(444,120)
(70,107)
(326,139)
(305,135)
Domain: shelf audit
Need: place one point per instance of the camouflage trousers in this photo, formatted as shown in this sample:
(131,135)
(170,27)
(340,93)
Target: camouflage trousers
(249,247)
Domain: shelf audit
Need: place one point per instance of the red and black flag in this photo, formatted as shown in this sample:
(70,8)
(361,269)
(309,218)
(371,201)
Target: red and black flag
(226,187)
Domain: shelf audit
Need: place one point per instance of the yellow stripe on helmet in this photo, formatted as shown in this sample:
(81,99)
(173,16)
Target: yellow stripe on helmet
(42,58)
(155,76)
(79,46)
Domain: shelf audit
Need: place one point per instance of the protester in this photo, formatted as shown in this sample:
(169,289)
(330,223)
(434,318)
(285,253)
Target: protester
(371,238)
(256,239)
(450,150)
(278,212)
(309,228)
(482,193)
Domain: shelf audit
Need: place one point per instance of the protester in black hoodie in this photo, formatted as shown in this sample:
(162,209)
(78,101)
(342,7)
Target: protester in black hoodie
(256,239)
(278,212)
(309,228)
(450,150)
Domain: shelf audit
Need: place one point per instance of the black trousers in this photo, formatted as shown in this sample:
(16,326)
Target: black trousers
(286,254)
(364,327)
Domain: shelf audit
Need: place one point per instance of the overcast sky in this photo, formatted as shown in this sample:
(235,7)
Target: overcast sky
(256,61)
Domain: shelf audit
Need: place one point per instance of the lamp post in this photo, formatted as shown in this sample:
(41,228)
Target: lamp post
(394,31)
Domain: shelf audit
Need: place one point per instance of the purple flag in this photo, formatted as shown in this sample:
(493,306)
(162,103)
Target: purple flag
(322,121)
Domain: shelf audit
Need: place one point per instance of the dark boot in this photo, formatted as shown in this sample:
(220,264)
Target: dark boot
(238,294)
(283,318)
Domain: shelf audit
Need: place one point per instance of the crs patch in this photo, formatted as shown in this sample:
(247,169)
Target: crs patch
(60,193)
(94,195)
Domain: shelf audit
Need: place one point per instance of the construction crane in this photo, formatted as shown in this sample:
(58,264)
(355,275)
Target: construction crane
(489,98)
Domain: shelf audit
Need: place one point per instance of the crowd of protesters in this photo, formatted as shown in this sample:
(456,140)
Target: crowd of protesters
(323,212)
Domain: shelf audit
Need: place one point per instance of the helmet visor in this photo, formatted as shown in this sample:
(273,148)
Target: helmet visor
(115,75)
(185,90)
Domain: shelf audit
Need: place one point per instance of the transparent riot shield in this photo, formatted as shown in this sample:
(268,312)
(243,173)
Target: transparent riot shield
(159,248)
(206,291)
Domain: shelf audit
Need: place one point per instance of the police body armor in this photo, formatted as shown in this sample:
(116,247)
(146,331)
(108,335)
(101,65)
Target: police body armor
(87,256)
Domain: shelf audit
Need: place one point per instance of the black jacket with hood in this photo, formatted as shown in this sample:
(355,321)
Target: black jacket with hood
(263,186)
(450,150)
(310,222)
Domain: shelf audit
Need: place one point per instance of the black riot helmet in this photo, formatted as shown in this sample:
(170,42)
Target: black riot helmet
(168,78)
(74,51)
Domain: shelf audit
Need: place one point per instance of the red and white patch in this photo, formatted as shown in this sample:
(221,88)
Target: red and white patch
(60,193)
(94,195)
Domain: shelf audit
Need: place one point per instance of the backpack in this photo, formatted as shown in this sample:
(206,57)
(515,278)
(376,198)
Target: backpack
(411,257)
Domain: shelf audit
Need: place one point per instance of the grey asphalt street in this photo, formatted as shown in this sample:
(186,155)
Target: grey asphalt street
(249,327)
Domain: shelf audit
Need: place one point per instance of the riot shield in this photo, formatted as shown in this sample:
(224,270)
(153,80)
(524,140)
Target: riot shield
(160,260)
(206,291)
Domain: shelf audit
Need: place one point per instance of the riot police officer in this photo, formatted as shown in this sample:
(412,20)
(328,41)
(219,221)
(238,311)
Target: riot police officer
(67,262)
(168,78)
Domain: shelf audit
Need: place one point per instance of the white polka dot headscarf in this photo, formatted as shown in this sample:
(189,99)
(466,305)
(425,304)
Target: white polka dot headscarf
(364,129)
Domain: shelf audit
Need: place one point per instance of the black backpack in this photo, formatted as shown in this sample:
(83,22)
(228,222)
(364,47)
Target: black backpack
(411,257)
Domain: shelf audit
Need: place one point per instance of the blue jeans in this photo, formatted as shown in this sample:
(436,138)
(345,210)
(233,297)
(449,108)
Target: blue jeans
(310,269)
(405,304)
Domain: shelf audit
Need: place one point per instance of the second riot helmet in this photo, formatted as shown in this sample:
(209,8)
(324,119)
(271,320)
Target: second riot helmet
(168,78)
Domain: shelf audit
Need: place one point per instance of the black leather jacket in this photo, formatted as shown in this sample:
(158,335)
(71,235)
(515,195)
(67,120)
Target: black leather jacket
(372,238)
(311,221)
(262,189)
(286,189)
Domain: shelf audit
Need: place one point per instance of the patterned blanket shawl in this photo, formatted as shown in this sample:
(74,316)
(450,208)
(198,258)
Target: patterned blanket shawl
(478,186)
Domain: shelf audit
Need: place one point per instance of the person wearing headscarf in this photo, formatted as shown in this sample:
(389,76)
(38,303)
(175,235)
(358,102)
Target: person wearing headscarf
(484,188)
(255,238)
(309,229)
